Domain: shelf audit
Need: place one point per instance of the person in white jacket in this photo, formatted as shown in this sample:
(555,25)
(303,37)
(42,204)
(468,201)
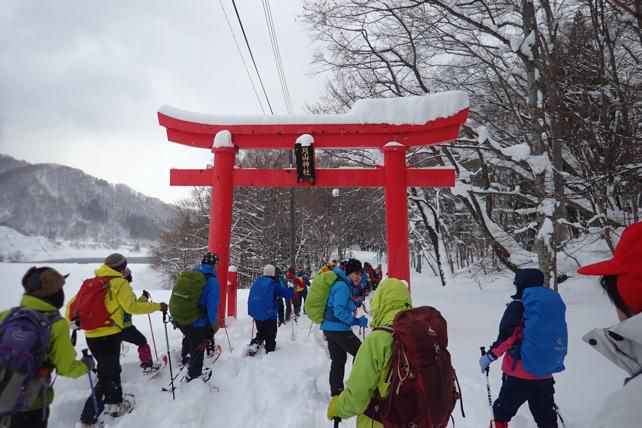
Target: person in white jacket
(622,343)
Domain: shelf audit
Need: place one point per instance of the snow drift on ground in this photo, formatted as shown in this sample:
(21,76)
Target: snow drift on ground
(289,388)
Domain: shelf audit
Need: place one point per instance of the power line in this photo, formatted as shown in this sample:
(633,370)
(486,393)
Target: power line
(267,11)
(247,43)
(238,49)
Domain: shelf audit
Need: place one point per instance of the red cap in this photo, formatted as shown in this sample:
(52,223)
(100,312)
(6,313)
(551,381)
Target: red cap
(626,264)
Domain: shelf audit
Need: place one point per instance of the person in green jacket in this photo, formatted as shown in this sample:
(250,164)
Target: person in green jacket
(44,293)
(371,365)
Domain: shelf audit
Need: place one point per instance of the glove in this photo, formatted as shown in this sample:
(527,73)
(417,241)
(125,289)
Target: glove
(485,360)
(214,326)
(146,294)
(88,360)
(332,408)
(358,302)
(163,307)
(362,321)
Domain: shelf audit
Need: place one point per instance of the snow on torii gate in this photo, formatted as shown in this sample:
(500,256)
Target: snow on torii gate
(390,124)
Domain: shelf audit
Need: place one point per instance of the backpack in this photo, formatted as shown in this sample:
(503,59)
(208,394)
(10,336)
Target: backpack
(184,302)
(545,336)
(260,302)
(422,380)
(87,310)
(24,349)
(318,293)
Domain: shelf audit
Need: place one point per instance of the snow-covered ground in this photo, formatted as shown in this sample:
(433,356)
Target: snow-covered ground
(14,246)
(289,388)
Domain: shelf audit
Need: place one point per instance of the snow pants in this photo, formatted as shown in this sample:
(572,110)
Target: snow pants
(265,332)
(106,351)
(195,340)
(516,391)
(282,306)
(30,419)
(133,335)
(340,344)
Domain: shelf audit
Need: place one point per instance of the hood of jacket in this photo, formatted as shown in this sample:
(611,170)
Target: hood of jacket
(391,297)
(621,343)
(106,271)
(205,269)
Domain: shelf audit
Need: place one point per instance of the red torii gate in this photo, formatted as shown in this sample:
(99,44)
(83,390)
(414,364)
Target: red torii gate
(391,125)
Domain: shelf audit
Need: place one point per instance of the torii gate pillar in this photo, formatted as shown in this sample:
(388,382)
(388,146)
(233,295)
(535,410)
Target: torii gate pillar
(395,190)
(221,217)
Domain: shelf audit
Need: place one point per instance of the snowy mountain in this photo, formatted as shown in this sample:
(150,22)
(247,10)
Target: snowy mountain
(63,203)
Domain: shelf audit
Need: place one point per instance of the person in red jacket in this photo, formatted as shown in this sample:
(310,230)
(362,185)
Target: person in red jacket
(299,288)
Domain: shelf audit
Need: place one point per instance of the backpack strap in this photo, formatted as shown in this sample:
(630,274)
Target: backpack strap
(385,328)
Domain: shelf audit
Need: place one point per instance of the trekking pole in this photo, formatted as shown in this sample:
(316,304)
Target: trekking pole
(337,421)
(310,329)
(252,337)
(228,339)
(557,412)
(169,356)
(94,400)
(490,399)
(149,317)
(292,336)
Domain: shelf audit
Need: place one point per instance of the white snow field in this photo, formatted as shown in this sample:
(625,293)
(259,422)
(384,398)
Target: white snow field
(289,388)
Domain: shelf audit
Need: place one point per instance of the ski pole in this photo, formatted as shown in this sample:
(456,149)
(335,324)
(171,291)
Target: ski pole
(94,400)
(228,339)
(169,356)
(490,399)
(149,317)
(557,412)
(310,329)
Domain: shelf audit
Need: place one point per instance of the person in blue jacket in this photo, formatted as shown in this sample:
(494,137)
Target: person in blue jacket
(199,336)
(262,306)
(338,321)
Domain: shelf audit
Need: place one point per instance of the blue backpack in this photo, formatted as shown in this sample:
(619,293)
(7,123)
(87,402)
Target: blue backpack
(545,341)
(24,349)
(260,303)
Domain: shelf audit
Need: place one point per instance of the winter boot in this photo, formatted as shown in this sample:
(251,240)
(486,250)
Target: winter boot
(145,356)
(498,424)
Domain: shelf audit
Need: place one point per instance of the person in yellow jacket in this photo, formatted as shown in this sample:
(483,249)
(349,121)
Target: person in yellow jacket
(104,342)
(44,294)
(371,365)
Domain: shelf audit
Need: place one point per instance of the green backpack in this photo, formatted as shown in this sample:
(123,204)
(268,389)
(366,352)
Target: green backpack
(183,304)
(318,293)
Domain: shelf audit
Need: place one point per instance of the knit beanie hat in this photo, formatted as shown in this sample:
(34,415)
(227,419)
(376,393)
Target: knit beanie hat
(43,281)
(116,262)
(269,270)
(210,259)
(353,265)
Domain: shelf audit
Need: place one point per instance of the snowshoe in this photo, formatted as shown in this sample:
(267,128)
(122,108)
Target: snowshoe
(205,376)
(214,351)
(120,409)
(252,350)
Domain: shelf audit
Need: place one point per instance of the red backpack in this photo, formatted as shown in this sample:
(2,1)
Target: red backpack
(88,310)
(422,380)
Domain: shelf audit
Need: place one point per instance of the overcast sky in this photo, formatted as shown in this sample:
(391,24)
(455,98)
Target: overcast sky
(81,81)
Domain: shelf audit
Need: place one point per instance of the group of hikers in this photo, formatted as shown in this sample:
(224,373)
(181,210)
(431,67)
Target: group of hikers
(401,373)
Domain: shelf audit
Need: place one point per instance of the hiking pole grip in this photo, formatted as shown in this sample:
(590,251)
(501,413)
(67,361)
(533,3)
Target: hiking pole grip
(483,350)
(337,421)
(94,400)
